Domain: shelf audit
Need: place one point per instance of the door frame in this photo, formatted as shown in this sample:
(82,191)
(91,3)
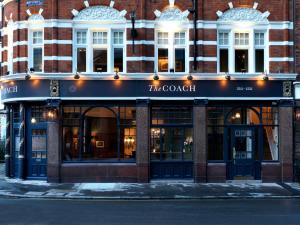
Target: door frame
(258,141)
(29,128)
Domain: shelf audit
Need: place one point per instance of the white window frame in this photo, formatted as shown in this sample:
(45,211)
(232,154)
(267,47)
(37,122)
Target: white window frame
(231,29)
(263,47)
(109,46)
(122,46)
(171,46)
(32,46)
(81,45)
(223,46)
(10,49)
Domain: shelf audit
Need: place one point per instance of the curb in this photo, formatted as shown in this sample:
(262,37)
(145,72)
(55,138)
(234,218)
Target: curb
(143,198)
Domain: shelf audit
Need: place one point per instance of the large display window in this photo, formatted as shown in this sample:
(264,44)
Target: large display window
(99,133)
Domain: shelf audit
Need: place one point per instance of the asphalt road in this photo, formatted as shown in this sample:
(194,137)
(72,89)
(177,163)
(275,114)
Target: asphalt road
(212,212)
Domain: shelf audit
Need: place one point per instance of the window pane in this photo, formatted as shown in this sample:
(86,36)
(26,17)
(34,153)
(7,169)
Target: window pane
(179,38)
(215,137)
(118,59)
(223,38)
(37,37)
(99,38)
(118,38)
(162,38)
(241,61)
(171,115)
(224,60)
(71,143)
(81,37)
(163,65)
(171,144)
(100,134)
(38,59)
(241,38)
(100,60)
(179,60)
(259,39)
(259,60)
(81,60)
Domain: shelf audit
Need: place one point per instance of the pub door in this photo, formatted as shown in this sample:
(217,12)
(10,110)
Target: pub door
(37,153)
(243,151)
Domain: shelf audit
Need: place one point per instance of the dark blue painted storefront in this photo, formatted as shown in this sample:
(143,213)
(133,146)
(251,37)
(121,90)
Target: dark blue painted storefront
(88,92)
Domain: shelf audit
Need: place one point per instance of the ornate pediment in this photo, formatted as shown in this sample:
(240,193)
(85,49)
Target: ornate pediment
(36,17)
(243,14)
(172,14)
(101,13)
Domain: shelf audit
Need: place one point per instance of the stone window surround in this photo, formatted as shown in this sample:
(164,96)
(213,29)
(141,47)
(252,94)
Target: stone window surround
(231,30)
(90,46)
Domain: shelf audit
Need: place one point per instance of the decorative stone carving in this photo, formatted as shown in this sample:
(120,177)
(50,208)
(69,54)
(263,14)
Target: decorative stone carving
(243,14)
(287,89)
(36,17)
(103,13)
(54,88)
(173,14)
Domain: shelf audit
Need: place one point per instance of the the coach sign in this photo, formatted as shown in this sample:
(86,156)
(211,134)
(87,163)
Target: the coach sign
(172,88)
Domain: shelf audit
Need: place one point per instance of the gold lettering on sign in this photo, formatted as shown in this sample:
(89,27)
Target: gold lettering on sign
(172,88)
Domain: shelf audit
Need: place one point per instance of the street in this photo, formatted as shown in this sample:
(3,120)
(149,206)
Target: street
(212,212)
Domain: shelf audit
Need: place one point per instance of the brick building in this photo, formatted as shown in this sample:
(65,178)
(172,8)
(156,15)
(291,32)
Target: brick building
(148,89)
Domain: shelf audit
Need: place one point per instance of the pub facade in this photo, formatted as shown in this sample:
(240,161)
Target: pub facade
(135,91)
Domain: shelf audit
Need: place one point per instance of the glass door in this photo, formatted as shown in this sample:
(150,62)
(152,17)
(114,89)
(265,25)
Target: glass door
(242,152)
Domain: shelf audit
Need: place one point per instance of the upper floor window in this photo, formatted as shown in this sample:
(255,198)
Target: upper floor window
(171,51)
(99,51)
(241,52)
(36,51)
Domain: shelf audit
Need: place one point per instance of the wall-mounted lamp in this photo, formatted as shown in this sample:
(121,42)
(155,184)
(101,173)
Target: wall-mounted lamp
(28,73)
(227,76)
(265,76)
(155,77)
(116,77)
(190,77)
(77,75)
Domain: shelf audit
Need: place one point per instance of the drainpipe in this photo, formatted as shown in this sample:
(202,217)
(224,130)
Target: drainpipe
(195,8)
(19,19)
(294,36)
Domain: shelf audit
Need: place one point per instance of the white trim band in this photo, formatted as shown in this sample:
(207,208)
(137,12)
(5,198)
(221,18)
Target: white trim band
(58,58)
(281,59)
(141,58)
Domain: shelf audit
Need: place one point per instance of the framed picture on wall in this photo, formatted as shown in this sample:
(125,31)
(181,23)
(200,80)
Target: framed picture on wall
(99,144)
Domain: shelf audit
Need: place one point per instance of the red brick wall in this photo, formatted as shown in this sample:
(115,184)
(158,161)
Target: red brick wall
(280,10)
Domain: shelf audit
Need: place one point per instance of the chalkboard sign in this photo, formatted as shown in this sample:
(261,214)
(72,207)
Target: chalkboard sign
(34,2)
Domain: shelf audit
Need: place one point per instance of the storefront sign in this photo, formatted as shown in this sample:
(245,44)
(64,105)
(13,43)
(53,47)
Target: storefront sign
(133,89)
(172,88)
(34,2)
(9,90)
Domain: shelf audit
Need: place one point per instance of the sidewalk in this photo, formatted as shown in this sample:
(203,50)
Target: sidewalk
(153,190)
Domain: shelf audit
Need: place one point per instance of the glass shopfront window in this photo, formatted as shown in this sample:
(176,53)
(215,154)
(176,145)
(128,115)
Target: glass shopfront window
(171,134)
(99,133)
